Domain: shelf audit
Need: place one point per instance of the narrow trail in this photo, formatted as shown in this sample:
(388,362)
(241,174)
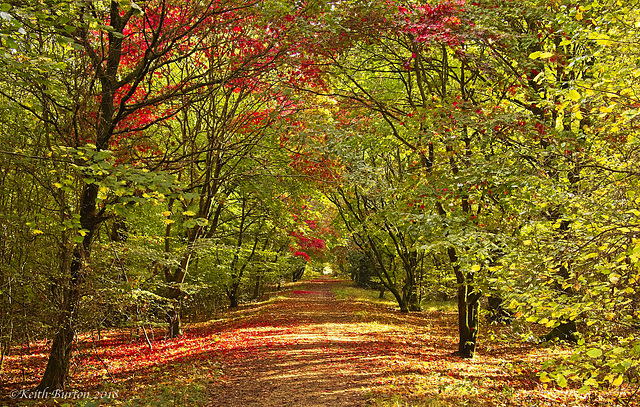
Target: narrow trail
(313,350)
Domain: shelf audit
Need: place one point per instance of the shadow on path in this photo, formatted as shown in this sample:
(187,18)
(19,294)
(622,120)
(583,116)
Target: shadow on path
(315,351)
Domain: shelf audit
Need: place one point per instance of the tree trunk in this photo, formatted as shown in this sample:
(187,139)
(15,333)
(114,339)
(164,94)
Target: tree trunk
(173,318)
(403,306)
(414,304)
(402,302)
(175,293)
(297,274)
(233,297)
(232,291)
(468,307)
(409,294)
(57,371)
(256,288)
(411,291)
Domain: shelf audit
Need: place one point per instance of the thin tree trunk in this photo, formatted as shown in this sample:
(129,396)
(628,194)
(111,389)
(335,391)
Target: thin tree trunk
(173,316)
(258,286)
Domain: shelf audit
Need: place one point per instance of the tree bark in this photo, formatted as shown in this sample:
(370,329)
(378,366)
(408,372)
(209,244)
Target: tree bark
(232,294)
(173,316)
(257,287)
(468,308)
(298,273)
(57,371)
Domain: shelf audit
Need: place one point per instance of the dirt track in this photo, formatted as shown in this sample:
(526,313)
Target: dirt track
(315,351)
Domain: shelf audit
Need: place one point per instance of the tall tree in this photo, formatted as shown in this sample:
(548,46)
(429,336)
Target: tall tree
(124,58)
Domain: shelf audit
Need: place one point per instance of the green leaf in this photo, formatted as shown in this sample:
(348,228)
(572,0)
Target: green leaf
(561,380)
(121,210)
(202,221)
(76,46)
(584,389)
(591,382)
(594,353)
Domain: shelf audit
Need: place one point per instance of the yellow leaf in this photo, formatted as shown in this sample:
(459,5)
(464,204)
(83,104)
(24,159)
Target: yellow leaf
(540,54)
(544,377)
(37,232)
(573,95)
(189,213)
(169,221)
(166,213)
(618,381)
(475,267)
(600,38)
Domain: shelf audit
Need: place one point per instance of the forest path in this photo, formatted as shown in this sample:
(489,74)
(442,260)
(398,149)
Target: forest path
(305,347)
(310,349)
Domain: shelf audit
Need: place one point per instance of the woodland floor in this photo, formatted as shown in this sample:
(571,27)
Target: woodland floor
(310,346)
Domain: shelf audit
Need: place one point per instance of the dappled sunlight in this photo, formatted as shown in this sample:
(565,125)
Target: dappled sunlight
(314,350)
